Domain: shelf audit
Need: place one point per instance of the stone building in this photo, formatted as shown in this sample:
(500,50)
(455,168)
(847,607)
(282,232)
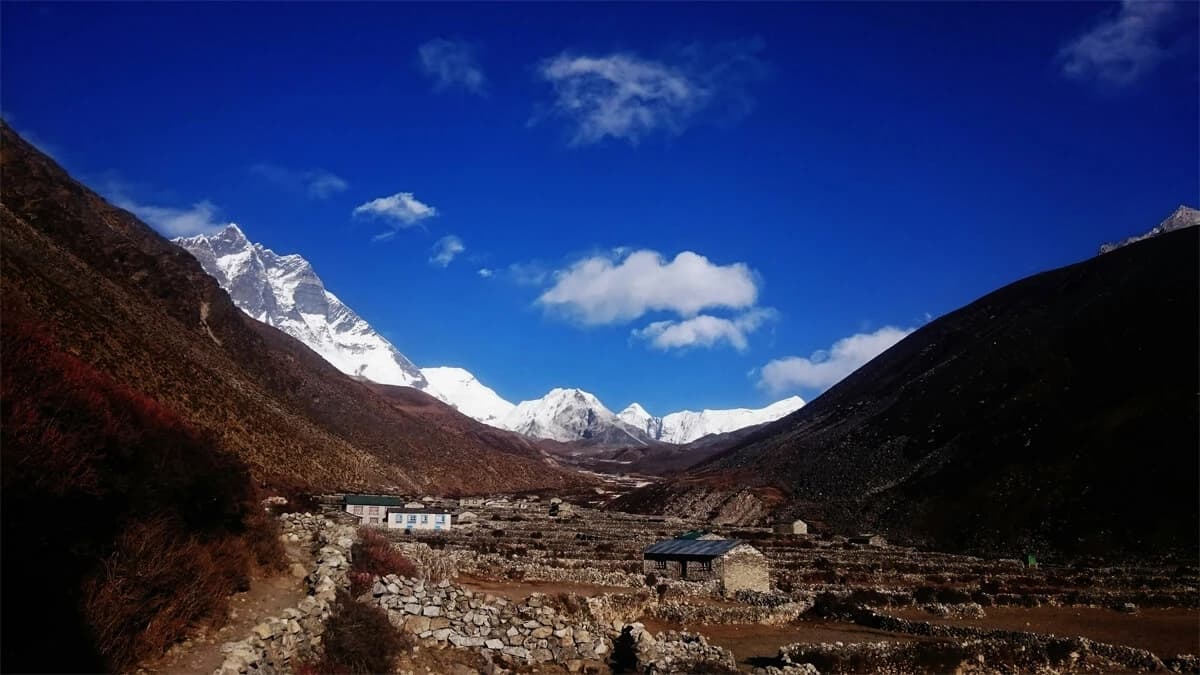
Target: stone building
(869,540)
(791,527)
(736,564)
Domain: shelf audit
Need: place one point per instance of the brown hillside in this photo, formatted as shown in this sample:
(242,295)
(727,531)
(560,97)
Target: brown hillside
(141,310)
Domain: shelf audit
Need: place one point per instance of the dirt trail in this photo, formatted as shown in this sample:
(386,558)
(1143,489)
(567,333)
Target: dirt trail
(266,597)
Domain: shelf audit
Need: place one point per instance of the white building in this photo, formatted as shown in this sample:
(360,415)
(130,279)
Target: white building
(417,519)
(370,509)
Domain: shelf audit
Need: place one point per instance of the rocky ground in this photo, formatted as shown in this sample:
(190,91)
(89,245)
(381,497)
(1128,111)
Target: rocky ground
(520,590)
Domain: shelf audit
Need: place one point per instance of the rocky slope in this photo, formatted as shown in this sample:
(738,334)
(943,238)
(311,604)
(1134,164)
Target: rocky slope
(1183,217)
(1057,414)
(144,312)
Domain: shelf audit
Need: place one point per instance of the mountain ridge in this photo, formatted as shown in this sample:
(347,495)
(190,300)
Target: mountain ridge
(1056,414)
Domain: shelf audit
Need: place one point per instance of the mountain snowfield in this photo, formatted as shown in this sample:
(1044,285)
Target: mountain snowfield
(285,292)
(459,388)
(686,426)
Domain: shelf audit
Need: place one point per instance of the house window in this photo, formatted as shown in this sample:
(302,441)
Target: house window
(441,518)
(424,520)
(412,519)
(706,565)
(374,510)
(356,510)
(660,564)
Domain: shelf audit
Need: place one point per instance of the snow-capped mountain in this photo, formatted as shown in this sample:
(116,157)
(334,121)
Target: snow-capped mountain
(686,426)
(1182,217)
(284,291)
(636,416)
(571,415)
(459,388)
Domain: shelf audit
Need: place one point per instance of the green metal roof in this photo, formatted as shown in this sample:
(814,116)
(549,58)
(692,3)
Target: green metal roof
(373,500)
(692,534)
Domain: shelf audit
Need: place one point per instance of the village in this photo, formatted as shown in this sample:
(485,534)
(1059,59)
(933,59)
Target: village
(537,584)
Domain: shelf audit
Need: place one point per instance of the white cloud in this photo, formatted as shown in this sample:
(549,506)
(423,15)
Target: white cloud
(451,63)
(397,211)
(624,286)
(315,183)
(705,330)
(485,273)
(175,222)
(1120,50)
(628,97)
(825,368)
(445,249)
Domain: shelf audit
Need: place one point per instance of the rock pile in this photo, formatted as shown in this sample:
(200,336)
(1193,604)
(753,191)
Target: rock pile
(530,632)
(676,652)
(276,644)
(965,610)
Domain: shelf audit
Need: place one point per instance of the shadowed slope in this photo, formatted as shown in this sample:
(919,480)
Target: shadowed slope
(142,310)
(1058,414)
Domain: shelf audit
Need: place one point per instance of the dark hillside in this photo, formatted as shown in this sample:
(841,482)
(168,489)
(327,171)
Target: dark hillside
(142,311)
(122,525)
(1056,414)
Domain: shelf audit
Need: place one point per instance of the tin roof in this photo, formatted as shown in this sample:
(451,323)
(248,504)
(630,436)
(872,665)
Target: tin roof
(696,547)
(373,500)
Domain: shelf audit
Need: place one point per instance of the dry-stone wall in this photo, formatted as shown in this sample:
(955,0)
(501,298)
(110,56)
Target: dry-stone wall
(672,652)
(689,614)
(277,644)
(529,632)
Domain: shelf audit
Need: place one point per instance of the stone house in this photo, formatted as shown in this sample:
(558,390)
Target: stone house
(736,564)
(791,527)
(370,509)
(408,519)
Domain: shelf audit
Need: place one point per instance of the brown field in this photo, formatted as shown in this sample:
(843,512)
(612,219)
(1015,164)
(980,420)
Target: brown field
(1166,632)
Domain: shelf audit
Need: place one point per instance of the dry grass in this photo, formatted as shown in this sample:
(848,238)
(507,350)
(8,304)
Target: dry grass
(124,528)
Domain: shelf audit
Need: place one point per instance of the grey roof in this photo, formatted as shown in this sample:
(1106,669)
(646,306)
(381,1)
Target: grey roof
(373,500)
(697,547)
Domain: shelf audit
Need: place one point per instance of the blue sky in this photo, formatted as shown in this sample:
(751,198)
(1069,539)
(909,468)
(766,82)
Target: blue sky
(677,204)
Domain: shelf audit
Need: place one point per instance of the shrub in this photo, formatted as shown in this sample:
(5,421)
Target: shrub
(497,533)
(651,580)
(140,525)
(359,638)
(373,554)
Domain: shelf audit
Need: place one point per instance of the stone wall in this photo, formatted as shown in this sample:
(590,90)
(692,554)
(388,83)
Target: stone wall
(277,644)
(745,569)
(526,633)
(670,652)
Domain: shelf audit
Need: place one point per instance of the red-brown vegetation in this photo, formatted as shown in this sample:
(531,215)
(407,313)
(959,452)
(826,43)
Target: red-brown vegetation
(373,556)
(123,527)
(359,638)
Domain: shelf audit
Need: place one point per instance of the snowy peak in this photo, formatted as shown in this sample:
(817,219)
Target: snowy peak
(570,415)
(1182,217)
(637,417)
(686,426)
(459,388)
(285,292)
